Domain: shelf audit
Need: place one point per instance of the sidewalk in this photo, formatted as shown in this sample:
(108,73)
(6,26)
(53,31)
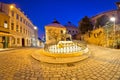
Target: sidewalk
(6,49)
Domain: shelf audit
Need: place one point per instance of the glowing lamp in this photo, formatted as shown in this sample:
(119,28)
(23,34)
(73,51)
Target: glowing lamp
(11,6)
(112,19)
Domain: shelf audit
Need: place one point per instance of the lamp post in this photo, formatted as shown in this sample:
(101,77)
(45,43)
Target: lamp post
(113,20)
(35,35)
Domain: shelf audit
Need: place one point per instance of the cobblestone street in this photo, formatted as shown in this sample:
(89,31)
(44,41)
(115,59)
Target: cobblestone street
(103,64)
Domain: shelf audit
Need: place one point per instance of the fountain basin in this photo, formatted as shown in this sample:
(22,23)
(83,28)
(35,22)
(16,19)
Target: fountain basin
(46,57)
(63,52)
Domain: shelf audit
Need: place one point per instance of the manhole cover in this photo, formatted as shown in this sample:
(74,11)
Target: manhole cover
(70,65)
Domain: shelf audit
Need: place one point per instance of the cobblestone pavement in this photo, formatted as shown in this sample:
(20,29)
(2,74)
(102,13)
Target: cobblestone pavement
(103,64)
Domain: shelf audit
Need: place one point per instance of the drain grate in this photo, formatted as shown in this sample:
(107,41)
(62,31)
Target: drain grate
(70,65)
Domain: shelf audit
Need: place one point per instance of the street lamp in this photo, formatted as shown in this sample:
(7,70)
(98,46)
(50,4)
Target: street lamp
(35,27)
(113,20)
(11,6)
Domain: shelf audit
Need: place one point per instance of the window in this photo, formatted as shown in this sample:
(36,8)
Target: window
(12,13)
(24,30)
(17,16)
(27,41)
(21,19)
(12,26)
(28,32)
(61,31)
(5,24)
(29,24)
(21,29)
(17,28)
(18,40)
(24,21)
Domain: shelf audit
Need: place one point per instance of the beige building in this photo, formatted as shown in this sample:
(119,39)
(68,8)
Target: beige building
(54,32)
(20,27)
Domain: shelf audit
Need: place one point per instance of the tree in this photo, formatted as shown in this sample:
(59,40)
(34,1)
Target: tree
(101,21)
(85,25)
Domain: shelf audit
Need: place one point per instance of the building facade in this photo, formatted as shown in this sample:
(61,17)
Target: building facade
(111,13)
(54,32)
(71,29)
(4,30)
(20,27)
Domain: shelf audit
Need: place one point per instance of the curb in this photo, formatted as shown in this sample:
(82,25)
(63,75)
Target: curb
(42,58)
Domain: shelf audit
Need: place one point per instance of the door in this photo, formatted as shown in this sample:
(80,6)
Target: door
(23,42)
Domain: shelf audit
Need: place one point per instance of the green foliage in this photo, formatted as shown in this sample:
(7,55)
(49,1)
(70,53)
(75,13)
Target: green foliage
(85,25)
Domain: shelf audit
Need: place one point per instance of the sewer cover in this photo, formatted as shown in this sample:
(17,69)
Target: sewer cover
(70,65)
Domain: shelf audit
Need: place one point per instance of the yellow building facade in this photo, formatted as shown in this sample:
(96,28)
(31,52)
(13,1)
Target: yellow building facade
(4,30)
(54,32)
(20,27)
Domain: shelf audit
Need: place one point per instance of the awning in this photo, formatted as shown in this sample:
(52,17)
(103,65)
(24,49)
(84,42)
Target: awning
(6,34)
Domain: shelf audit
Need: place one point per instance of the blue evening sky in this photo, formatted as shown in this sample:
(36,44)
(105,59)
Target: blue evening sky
(42,12)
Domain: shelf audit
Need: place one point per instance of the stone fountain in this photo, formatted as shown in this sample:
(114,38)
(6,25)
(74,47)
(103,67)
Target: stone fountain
(62,52)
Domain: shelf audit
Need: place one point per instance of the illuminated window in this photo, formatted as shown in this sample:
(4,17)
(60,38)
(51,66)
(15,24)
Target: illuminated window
(24,21)
(12,26)
(5,24)
(13,40)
